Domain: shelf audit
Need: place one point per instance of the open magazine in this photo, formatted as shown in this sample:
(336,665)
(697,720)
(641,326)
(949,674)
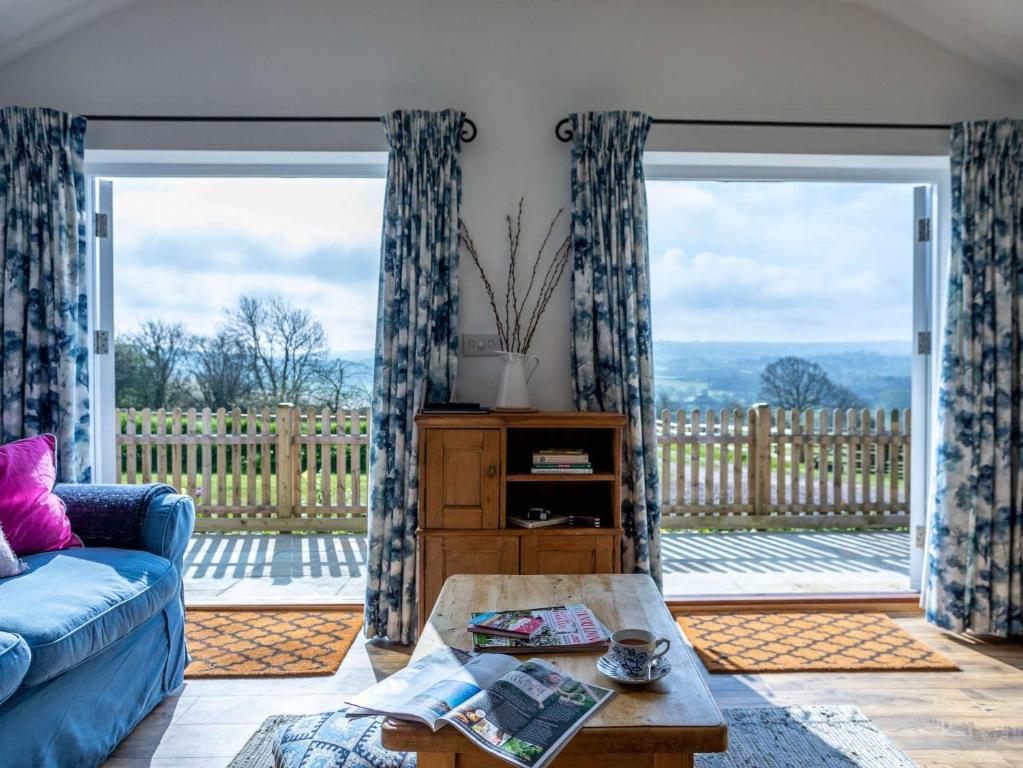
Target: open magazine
(565,628)
(521,712)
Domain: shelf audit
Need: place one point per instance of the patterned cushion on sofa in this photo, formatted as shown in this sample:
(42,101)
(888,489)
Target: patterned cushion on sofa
(333,740)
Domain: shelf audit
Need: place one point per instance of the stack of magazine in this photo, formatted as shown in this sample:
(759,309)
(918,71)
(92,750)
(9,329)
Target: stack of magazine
(522,712)
(556,629)
(562,461)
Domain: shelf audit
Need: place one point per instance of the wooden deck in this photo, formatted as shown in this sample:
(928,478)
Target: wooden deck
(967,719)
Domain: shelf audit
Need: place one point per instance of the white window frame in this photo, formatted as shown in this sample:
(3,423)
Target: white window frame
(929,282)
(117,163)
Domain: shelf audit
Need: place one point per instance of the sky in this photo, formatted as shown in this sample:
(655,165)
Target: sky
(781,261)
(185,249)
(730,261)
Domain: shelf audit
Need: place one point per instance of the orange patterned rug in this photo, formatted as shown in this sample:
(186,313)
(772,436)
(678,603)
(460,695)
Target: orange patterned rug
(741,642)
(269,643)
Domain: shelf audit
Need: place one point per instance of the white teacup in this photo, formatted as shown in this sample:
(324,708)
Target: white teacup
(635,651)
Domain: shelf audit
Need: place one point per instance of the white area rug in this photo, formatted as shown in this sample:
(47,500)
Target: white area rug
(758,737)
(804,737)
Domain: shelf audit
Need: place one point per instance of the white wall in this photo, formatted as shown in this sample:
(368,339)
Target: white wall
(516,66)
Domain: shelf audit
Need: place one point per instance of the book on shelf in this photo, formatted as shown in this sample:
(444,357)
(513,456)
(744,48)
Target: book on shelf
(584,521)
(521,712)
(577,465)
(545,469)
(561,457)
(565,628)
(518,625)
(523,522)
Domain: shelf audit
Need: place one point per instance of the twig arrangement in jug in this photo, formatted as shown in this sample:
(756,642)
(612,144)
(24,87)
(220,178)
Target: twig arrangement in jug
(516,337)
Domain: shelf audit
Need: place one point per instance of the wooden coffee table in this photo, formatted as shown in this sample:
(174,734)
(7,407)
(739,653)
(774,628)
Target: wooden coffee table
(661,725)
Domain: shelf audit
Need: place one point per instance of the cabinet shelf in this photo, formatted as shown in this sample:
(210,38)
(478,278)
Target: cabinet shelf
(528,477)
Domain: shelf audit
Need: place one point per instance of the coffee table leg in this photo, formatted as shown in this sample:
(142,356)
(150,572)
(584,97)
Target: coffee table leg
(435,760)
(673,760)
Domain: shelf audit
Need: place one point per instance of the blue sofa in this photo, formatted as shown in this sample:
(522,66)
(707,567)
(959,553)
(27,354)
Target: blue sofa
(92,639)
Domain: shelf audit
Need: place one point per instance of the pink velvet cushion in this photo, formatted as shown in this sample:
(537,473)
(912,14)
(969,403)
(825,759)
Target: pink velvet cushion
(33,518)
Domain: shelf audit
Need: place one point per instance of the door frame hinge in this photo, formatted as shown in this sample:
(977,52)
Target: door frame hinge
(923,230)
(101,342)
(923,343)
(101,225)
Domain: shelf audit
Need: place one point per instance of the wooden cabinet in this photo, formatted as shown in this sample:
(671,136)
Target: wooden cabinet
(475,470)
(574,554)
(452,552)
(462,479)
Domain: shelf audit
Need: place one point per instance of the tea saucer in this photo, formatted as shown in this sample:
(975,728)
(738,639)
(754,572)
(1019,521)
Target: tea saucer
(607,666)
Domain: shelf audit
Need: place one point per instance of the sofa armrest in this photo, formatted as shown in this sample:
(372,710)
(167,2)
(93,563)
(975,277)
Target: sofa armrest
(168,526)
(152,517)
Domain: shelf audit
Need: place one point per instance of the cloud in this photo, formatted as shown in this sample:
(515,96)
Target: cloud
(186,249)
(294,214)
(348,315)
(780,261)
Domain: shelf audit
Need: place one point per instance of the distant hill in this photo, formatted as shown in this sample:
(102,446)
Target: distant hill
(698,374)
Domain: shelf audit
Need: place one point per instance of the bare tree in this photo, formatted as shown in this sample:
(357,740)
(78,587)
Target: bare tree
(152,357)
(222,370)
(284,345)
(793,382)
(334,385)
(844,398)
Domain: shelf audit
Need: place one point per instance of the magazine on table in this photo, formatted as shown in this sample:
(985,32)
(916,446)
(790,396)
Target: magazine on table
(528,715)
(519,625)
(522,712)
(431,687)
(565,628)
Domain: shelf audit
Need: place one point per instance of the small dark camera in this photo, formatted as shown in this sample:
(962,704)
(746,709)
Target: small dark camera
(538,513)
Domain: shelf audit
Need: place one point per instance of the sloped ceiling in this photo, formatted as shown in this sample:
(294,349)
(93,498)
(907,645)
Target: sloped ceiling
(26,24)
(989,32)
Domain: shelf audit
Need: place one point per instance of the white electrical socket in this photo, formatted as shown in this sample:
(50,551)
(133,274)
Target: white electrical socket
(476,344)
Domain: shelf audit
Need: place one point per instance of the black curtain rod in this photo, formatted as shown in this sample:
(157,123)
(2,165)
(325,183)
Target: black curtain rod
(468,126)
(563,130)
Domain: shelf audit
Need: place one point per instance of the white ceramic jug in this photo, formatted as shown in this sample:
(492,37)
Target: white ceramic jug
(514,390)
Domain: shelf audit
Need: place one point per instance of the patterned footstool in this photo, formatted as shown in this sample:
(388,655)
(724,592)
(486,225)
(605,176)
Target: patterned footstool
(333,740)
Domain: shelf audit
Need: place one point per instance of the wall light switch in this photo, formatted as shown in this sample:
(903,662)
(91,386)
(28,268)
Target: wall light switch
(476,344)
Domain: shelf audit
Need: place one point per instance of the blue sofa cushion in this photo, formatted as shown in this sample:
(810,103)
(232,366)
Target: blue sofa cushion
(14,660)
(70,605)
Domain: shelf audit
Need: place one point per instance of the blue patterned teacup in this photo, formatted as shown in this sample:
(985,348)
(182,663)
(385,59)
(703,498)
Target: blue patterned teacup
(635,651)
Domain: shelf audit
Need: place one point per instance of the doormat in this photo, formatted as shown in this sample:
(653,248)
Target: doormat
(268,643)
(747,642)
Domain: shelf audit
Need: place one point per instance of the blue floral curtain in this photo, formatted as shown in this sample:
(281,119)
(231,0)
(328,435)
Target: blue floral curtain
(416,348)
(44,382)
(612,347)
(975,557)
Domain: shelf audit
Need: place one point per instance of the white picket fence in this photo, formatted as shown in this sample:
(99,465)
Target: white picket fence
(773,468)
(759,468)
(261,469)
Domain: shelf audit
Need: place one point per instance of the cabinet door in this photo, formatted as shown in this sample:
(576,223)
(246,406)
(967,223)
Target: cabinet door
(445,554)
(551,554)
(463,478)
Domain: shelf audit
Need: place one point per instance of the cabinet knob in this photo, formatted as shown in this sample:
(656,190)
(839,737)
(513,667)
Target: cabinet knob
(492,470)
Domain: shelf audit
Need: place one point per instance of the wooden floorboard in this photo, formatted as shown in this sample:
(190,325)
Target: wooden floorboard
(967,719)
